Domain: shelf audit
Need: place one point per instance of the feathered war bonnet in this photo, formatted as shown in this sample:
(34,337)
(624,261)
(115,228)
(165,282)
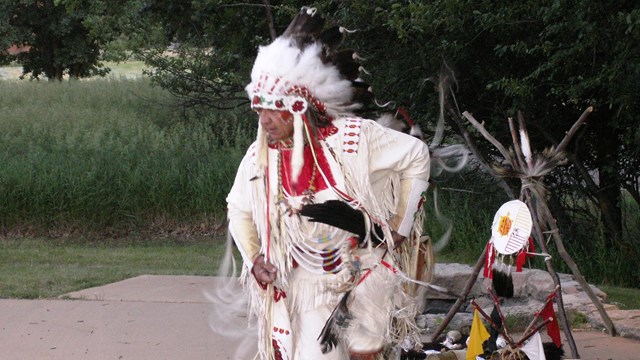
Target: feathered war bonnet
(303,69)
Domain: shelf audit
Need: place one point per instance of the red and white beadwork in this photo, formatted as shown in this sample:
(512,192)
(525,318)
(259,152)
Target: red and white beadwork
(351,135)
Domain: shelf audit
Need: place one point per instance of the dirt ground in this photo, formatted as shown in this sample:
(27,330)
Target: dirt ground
(596,345)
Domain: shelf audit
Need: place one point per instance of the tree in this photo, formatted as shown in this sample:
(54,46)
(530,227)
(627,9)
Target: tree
(549,59)
(65,37)
(213,44)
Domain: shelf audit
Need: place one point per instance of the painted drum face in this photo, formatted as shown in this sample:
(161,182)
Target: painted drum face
(511,227)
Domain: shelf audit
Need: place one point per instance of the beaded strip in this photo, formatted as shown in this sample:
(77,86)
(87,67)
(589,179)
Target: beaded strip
(351,136)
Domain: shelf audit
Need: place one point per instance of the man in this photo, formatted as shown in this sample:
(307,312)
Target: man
(322,204)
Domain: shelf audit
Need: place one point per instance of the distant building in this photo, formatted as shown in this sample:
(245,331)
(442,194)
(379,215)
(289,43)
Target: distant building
(18,49)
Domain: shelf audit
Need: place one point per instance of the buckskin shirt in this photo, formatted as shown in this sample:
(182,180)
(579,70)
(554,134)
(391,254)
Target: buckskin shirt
(382,171)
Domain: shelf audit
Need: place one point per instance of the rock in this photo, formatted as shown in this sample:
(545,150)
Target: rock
(535,283)
(531,288)
(460,322)
(625,321)
(453,277)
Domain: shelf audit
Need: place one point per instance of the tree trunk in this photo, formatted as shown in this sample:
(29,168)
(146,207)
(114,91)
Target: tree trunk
(270,20)
(609,196)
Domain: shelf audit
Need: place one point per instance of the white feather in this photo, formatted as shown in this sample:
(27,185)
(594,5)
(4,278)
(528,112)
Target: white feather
(390,121)
(290,66)
(297,157)
(526,147)
(416,131)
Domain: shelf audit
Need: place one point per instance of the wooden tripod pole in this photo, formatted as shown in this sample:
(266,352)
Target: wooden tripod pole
(556,279)
(545,217)
(461,298)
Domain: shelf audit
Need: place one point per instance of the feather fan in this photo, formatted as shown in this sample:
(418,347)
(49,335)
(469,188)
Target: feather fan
(338,321)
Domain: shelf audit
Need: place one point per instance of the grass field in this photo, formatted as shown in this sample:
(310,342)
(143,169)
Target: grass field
(110,156)
(34,268)
(40,268)
(88,168)
(124,70)
(103,180)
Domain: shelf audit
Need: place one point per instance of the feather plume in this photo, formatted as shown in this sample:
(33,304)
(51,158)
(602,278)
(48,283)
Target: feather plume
(339,319)
(502,280)
(526,147)
(347,62)
(392,122)
(350,70)
(308,56)
(552,351)
(362,93)
(331,38)
(341,215)
(416,131)
(305,25)
(345,56)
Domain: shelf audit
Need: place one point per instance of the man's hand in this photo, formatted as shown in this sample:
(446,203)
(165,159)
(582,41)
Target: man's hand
(263,271)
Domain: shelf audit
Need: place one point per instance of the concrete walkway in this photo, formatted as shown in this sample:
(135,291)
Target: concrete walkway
(160,317)
(147,317)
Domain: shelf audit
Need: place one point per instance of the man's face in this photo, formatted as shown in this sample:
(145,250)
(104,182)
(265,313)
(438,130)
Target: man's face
(278,124)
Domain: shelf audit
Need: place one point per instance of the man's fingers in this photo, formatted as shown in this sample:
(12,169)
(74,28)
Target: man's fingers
(263,271)
(265,276)
(270,267)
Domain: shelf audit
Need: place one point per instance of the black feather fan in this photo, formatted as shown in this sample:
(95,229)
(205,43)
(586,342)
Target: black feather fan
(552,351)
(341,215)
(502,281)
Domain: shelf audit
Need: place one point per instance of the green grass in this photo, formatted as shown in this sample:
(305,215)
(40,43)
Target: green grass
(110,155)
(624,298)
(122,70)
(34,268)
(128,69)
(108,159)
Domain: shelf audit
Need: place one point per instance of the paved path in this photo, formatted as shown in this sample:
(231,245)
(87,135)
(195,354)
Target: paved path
(160,317)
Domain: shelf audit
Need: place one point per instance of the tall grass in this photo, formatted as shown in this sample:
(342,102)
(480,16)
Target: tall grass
(110,157)
(601,259)
(107,155)
(468,202)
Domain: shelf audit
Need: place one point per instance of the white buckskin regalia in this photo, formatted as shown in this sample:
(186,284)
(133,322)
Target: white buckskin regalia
(335,293)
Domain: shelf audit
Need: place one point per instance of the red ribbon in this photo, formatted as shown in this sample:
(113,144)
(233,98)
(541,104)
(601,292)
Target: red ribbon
(489,258)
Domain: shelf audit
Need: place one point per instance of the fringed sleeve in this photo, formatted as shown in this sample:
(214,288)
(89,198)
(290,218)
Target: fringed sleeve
(399,162)
(240,213)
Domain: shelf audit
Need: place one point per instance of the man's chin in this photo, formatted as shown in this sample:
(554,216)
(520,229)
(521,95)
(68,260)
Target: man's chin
(273,139)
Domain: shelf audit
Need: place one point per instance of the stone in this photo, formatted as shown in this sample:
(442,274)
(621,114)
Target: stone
(531,289)
(453,277)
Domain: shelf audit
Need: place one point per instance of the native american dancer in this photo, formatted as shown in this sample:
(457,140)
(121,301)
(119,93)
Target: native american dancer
(325,207)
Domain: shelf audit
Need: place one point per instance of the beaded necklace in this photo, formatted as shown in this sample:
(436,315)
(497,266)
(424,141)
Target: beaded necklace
(285,188)
(283,195)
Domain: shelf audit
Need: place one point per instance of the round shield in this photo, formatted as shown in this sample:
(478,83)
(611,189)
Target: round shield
(511,227)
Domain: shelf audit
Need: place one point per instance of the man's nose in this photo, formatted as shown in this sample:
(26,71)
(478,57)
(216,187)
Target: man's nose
(265,119)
